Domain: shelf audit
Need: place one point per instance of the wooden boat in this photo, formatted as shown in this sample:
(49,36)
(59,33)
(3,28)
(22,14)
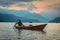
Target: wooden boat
(37,27)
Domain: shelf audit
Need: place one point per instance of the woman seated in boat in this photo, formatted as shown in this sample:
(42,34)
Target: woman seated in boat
(30,25)
(19,24)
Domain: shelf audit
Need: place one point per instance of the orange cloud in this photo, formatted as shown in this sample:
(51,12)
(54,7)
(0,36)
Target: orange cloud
(14,7)
(25,2)
(38,10)
(1,6)
(42,6)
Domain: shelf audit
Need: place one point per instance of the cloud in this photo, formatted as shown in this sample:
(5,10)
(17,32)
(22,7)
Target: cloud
(19,6)
(7,2)
(36,6)
(14,7)
(10,2)
(55,7)
(45,5)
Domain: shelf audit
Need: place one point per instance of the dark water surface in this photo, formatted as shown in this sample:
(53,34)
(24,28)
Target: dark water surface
(51,32)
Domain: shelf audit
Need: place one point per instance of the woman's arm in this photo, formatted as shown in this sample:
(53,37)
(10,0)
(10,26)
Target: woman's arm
(15,24)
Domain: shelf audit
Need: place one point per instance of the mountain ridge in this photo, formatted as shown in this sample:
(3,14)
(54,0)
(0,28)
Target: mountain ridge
(26,14)
(13,18)
(56,20)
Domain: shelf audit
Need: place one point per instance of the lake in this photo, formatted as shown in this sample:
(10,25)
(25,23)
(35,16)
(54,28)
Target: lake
(51,32)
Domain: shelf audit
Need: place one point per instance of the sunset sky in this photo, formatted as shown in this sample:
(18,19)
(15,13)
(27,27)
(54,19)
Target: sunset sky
(33,6)
(36,6)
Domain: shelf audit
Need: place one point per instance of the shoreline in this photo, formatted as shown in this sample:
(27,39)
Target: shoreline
(23,22)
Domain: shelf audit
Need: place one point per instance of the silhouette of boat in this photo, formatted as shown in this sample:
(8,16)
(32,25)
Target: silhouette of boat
(37,27)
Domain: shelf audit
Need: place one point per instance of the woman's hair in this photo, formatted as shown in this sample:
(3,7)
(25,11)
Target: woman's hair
(20,23)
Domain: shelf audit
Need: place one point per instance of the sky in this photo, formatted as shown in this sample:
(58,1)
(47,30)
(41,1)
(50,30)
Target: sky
(33,6)
(36,6)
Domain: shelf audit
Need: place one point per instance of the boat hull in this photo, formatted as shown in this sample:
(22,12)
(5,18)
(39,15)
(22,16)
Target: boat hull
(37,27)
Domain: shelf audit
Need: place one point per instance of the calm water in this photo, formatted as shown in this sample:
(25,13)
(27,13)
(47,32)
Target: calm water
(51,32)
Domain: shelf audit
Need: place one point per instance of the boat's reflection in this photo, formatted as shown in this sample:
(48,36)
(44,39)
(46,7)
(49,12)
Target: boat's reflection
(18,32)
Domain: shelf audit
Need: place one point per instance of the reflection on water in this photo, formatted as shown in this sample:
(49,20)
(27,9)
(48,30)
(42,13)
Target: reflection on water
(51,32)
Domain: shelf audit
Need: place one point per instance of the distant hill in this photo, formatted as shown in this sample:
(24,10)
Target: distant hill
(29,15)
(56,20)
(13,18)
(25,14)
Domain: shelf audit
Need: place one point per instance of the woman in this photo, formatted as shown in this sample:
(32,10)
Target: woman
(19,23)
